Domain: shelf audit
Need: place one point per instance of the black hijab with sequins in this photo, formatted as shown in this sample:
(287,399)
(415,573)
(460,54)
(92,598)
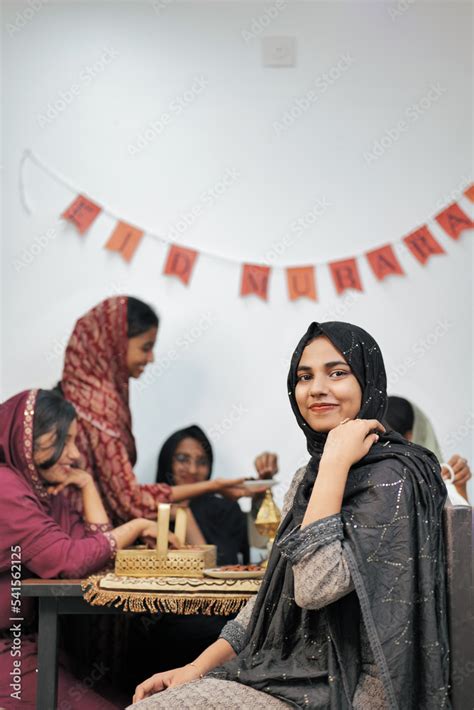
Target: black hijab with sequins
(393,546)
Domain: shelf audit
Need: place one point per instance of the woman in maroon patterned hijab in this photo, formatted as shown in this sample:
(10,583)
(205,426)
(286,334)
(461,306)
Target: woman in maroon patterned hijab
(40,535)
(111,343)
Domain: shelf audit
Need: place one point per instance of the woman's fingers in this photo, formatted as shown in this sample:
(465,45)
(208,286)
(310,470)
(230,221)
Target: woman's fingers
(374,424)
(149,686)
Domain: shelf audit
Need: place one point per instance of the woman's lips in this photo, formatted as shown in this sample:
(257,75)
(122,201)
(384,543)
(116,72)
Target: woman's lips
(322,408)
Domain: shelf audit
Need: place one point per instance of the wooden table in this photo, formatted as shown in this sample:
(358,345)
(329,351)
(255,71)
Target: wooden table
(55,596)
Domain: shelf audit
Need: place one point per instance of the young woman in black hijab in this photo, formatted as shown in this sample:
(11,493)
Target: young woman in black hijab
(351,612)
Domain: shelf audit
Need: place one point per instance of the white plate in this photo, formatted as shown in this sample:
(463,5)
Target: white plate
(260,483)
(218,573)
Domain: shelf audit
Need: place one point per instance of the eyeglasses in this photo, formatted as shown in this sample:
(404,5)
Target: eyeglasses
(186,460)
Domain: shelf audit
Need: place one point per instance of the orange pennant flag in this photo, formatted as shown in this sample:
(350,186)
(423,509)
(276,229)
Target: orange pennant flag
(301,283)
(180,263)
(255,280)
(345,275)
(82,212)
(423,245)
(470,193)
(384,262)
(454,221)
(124,239)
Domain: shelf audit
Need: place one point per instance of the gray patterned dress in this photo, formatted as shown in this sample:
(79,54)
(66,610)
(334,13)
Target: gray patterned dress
(321,576)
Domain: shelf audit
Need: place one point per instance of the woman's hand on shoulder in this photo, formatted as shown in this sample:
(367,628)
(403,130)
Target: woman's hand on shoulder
(351,441)
(161,681)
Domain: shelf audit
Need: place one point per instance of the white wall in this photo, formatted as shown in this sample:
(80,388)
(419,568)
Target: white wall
(237,365)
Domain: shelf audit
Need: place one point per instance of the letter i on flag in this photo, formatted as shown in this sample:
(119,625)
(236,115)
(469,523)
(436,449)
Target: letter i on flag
(82,212)
(255,281)
(124,239)
(345,274)
(454,221)
(180,263)
(301,283)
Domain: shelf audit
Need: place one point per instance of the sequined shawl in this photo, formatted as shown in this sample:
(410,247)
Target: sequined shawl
(95,375)
(393,544)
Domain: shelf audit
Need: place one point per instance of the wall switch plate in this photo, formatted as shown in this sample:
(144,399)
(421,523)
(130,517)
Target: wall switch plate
(279,51)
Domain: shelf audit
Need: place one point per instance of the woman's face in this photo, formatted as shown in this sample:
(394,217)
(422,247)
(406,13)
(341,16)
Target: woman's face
(140,352)
(190,463)
(326,391)
(44,449)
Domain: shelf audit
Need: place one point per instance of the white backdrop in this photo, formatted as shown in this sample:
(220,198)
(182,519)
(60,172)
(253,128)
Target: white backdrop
(382,144)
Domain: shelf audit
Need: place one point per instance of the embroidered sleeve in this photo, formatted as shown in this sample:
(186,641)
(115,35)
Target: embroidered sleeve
(112,543)
(94,528)
(301,542)
(234,631)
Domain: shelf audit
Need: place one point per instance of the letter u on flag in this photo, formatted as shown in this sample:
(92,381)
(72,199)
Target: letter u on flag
(82,212)
(423,245)
(301,283)
(345,274)
(453,220)
(125,239)
(180,263)
(384,262)
(255,280)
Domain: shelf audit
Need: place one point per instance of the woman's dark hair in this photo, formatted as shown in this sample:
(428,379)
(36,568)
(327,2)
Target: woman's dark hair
(400,415)
(55,414)
(165,458)
(140,317)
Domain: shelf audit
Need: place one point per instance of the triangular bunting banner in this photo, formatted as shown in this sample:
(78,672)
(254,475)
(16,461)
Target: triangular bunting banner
(384,262)
(345,275)
(423,245)
(82,212)
(453,220)
(125,239)
(180,263)
(255,281)
(301,283)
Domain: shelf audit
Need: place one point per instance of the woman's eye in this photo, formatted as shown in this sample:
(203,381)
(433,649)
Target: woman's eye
(303,378)
(339,373)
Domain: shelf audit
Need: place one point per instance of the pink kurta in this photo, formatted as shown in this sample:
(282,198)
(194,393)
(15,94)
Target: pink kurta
(39,536)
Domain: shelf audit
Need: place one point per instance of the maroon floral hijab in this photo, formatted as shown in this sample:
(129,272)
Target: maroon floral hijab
(16,441)
(95,375)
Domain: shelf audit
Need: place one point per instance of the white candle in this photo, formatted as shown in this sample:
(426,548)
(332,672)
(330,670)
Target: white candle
(164,510)
(180,525)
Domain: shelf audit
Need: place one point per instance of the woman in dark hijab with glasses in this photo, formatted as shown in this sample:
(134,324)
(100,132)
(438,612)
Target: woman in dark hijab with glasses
(351,612)
(186,457)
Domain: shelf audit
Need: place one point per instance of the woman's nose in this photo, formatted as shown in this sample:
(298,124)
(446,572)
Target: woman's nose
(319,385)
(151,356)
(73,452)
